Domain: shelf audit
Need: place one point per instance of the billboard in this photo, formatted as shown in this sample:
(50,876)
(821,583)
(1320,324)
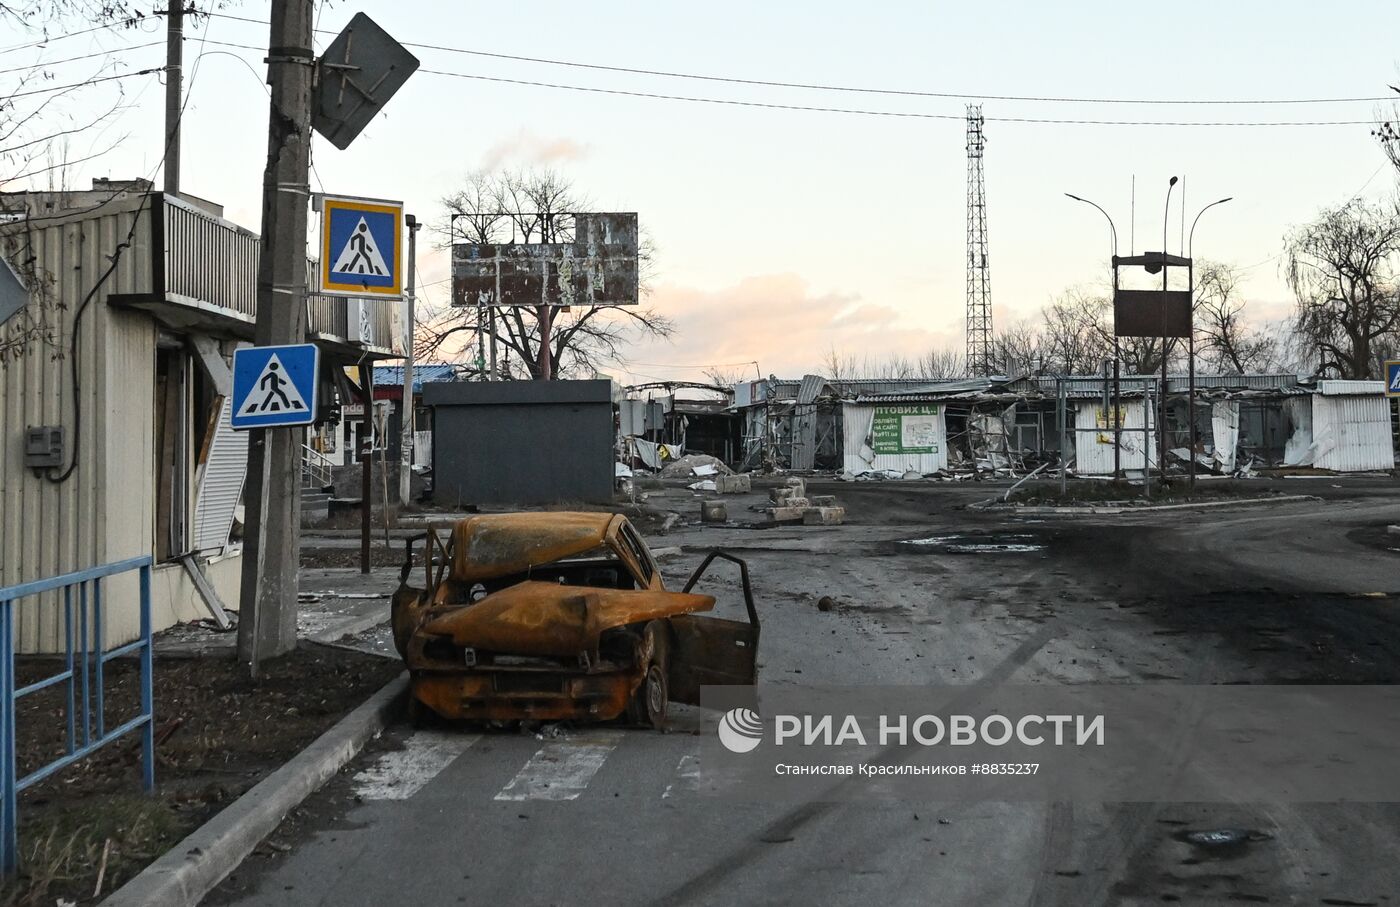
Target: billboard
(599,267)
(905,430)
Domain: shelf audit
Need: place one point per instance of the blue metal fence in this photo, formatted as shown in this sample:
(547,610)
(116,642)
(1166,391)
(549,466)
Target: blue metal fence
(82,673)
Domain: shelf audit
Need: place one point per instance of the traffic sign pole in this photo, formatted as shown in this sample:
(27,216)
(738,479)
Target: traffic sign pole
(272,497)
(406,408)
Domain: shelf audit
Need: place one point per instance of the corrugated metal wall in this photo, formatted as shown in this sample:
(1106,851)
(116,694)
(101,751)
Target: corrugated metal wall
(48,528)
(1093,446)
(857,419)
(1352,433)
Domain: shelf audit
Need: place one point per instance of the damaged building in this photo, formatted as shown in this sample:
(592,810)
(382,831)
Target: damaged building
(118,327)
(1010,426)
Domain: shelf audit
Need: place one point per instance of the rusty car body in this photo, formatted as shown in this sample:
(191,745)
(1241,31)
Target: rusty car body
(556,616)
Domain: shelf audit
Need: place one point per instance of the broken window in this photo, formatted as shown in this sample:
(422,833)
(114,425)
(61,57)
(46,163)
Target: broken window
(173,438)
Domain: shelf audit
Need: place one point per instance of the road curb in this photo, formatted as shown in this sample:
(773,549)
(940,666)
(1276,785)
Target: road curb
(192,868)
(1119,511)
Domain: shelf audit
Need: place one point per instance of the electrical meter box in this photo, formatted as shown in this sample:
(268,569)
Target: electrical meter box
(43,446)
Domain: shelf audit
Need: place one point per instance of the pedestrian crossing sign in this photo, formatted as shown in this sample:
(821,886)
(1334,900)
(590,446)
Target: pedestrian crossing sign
(360,249)
(1392,377)
(275,386)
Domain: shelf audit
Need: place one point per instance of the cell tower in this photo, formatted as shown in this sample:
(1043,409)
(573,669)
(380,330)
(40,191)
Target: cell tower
(979,287)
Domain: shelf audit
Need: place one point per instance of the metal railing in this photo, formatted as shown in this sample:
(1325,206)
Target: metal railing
(83,675)
(209,259)
(214,261)
(316,467)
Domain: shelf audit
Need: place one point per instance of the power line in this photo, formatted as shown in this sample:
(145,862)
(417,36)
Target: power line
(900,92)
(814,86)
(768,105)
(87,82)
(43,64)
(129,21)
(853,111)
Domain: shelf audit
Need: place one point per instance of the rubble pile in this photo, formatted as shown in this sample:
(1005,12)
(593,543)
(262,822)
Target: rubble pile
(695,466)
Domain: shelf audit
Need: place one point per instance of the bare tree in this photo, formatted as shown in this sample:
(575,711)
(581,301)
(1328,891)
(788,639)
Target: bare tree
(727,376)
(942,364)
(1017,348)
(1387,131)
(1341,268)
(1224,340)
(1077,332)
(39,124)
(535,206)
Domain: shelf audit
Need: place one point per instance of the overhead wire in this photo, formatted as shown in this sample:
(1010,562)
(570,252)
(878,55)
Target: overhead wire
(44,64)
(126,22)
(816,86)
(853,111)
(894,113)
(86,82)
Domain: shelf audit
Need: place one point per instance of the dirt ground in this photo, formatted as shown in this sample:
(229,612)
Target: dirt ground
(218,733)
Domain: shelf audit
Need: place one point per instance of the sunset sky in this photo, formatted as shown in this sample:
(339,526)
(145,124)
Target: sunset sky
(785,233)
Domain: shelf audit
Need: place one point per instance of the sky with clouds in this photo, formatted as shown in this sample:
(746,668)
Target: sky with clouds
(783,234)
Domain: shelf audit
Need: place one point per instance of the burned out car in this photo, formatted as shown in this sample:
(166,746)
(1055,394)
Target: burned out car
(554,616)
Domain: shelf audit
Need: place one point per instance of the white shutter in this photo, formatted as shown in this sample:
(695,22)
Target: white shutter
(220,485)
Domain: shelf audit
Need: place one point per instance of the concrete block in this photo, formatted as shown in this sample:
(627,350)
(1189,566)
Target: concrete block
(800,484)
(824,516)
(823,500)
(713,512)
(740,484)
(785,514)
(781,494)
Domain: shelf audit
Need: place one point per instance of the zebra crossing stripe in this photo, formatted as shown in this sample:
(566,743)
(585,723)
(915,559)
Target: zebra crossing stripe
(687,776)
(561,770)
(399,774)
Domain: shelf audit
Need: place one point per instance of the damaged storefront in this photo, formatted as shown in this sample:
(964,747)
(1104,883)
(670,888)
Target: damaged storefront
(994,427)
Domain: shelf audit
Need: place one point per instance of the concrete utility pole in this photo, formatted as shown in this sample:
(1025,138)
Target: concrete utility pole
(406,404)
(174,68)
(546,363)
(267,625)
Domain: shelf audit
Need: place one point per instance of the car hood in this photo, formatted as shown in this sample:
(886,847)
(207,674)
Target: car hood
(488,547)
(534,618)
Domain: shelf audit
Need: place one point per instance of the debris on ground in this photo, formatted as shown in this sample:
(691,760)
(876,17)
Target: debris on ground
(790,504)
(713,512)
(695,466)
(826,603)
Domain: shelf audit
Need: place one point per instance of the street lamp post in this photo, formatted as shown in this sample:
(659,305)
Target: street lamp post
(1191,339)
(1162,397)
(1117,408)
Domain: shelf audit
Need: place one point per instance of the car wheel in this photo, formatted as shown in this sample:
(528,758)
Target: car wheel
(653,694)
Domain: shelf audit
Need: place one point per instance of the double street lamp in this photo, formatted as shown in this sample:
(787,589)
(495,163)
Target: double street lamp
(1152,266)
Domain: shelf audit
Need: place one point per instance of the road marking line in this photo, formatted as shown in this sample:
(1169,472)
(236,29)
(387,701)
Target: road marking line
(400,774)
(687,775)
(562,770)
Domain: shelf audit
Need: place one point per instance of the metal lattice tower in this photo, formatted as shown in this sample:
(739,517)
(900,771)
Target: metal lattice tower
(979,287)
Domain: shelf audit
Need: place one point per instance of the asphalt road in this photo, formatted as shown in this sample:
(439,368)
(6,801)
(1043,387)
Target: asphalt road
(1283,594)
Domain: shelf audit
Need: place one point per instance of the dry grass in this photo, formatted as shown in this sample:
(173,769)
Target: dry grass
(60,855)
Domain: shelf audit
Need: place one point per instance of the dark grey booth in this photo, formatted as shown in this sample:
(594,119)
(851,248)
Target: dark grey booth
(521,442)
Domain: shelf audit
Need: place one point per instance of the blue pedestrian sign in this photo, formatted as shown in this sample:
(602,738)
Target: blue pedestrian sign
(360,253)
(275,386)
(1392,377)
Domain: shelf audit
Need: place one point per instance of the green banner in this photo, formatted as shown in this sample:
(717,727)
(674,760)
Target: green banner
(905,429)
